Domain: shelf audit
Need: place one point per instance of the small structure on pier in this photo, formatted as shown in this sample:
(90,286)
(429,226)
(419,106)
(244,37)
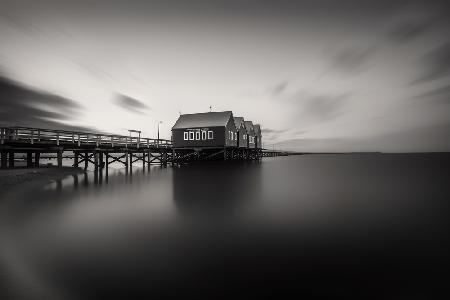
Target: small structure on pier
(250,134)
(241,132)
(214,136)
(205,130)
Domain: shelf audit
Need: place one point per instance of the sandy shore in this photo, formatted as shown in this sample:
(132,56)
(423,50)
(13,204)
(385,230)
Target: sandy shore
(13,178)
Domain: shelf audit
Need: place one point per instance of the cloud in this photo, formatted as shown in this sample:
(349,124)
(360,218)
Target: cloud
(438,95)
(436,63)
(421,139)
(408,30)
(352,60)
(273,134)
(131,104)
(320,108)
(279,88)
(24,106)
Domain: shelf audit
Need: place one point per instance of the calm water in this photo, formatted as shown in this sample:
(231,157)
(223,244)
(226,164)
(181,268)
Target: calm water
(366,225)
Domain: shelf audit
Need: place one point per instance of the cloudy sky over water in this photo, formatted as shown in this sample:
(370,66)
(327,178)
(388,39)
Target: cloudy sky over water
(318,75)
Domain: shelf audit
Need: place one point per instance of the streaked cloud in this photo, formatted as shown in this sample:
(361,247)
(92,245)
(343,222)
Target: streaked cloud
(436,63)
(21,105)
(131,104)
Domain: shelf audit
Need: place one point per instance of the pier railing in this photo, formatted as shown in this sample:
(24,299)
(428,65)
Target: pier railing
(76,138)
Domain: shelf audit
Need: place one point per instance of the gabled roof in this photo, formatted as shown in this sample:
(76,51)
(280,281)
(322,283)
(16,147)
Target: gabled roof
(209,119)
(238,121)
(248,126)
(257,128)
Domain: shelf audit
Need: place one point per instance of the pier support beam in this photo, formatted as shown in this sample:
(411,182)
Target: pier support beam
(126,162)
(4,158)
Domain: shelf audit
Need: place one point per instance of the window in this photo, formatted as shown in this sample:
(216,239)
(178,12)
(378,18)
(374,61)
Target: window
(210,135)
(186,135)
(191,135)
(203,135)
(231,135)
(197,135)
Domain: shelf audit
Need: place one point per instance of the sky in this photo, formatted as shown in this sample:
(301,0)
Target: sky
(317,75)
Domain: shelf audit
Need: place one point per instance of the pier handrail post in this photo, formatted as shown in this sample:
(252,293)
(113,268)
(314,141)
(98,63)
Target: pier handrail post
(32,136)
(2,139)
(57,139)
(39,135)
(79,140)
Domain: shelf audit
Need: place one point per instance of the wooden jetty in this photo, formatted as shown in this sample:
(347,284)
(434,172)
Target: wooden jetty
(88,148)
(100,149)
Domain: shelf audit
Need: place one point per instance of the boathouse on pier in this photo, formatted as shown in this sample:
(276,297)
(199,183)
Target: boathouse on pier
(250,134)
(241,132)
(205,130)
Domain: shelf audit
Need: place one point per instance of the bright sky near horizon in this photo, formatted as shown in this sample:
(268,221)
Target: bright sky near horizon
(317,75)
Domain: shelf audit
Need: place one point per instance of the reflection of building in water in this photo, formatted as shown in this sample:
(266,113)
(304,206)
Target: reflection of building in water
(220,188)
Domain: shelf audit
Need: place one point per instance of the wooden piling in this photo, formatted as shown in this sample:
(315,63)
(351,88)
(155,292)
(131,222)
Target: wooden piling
(37,156)
(59,157)
(164,158)
(4,158)
(101,160)
(86,161)
(107,164)
(11,159)
(96,160)
(29,159)
(131,162)
(75,159)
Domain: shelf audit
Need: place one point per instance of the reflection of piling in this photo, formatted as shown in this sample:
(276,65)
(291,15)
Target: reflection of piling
(4,158)
(75,182)
(96,176)
(59,185)
(85,179)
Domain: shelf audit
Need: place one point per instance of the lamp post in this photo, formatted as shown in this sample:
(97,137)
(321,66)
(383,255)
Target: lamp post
(159,122)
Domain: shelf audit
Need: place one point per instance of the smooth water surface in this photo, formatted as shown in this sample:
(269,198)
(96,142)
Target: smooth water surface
(369,225)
